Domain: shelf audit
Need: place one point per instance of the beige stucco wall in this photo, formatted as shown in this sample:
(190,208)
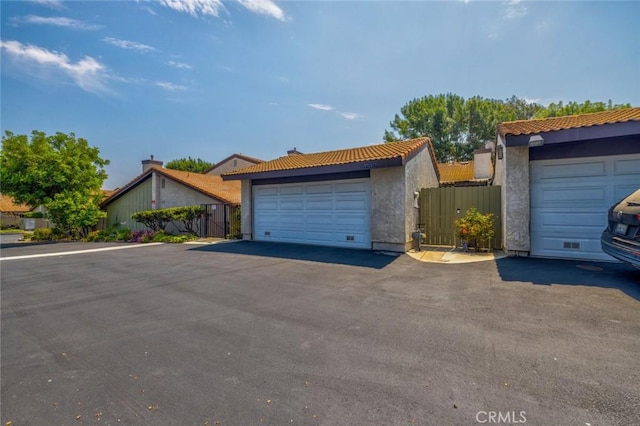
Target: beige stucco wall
(394,215)
(246,223)
(175,194)
(229,166)
(512,173)
(482,166)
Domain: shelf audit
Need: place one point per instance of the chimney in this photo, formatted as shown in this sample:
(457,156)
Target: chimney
(293,151)
(482,168)
(147,164)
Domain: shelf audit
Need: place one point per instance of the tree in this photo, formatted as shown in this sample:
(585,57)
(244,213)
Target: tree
(195,165)
(456,126)
(61,172)
(572,108)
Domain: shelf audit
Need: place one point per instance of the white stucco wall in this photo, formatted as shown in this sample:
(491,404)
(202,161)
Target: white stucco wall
(394,215)
(230,165)
(512,173)
(246,222)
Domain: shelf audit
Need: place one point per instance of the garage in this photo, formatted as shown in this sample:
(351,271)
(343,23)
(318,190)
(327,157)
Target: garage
(569,201)
(560,175)
(361,198)
(330,213)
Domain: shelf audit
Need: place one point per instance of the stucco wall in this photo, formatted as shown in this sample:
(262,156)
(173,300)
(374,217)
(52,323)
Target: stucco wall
(246,224)
(419,173)
(515,200)
(388,209)
(229,166)
(175,194)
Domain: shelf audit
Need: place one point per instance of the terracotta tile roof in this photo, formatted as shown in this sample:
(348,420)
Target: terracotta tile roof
(400,149)
(8,206)
(456,172)
(212,185)
(526,127)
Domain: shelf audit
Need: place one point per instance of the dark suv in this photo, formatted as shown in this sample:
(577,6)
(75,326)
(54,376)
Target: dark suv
(621,239)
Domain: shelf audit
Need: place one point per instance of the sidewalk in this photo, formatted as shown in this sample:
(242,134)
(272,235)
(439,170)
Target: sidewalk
(446,254)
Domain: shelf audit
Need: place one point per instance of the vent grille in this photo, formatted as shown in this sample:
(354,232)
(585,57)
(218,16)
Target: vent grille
(351,237)
(571,245)
(267,233)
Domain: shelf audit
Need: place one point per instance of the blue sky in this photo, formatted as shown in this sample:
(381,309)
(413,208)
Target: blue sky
(205,78)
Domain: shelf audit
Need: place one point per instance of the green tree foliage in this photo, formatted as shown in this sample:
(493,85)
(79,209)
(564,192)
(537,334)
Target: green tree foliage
(59,171)
(457,126)
(195,165)
(573,108)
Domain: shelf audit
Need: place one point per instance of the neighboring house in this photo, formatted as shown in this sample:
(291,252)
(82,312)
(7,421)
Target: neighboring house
(360,197)
(231,163)
(9,208)
(158,188)
(477,172)
(560,175)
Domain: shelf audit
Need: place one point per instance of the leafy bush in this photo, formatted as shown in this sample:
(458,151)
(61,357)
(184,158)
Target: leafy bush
(475,228)
(33,215)
(162,237)
(42,234)
(157,220)
(144,236)
(110,234)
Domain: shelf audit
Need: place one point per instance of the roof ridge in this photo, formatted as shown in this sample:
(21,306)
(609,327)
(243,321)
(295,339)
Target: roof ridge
(584,114)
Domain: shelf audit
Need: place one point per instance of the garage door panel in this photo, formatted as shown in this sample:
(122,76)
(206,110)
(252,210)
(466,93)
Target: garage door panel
(293,204)
(331,213)
(565,171)
(627,167)
(570,199)
(317,203)
(351,187)
(573,194)
(291,190)
(316,188)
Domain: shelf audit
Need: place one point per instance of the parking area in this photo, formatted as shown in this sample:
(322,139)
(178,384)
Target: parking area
(257,333)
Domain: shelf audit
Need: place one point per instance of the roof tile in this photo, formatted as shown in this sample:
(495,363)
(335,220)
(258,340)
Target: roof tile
(526,127)
(400,149)
(456,172)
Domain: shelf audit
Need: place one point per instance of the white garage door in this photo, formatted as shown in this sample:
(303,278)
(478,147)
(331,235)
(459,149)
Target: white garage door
(330,213)
(570,199)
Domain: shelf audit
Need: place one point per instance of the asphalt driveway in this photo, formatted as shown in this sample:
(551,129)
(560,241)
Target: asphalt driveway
(251,333)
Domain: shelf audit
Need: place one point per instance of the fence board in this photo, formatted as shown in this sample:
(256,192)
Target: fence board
(440,207)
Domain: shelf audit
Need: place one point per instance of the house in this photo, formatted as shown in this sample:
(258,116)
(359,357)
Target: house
(157,187)
(231,163)
(9,208)
(560,175)
(364,197)
(476,172)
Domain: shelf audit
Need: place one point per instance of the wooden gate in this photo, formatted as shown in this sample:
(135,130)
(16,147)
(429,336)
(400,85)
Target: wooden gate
(440,207)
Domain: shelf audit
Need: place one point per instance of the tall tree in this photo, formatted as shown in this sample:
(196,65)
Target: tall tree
(572,108)
(195,165)
(59,171)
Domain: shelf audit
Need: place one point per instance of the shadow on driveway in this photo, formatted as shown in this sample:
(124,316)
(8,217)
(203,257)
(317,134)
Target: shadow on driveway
(341,256)
(571,272)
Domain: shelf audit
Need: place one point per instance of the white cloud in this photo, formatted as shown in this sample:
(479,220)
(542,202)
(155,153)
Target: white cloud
(213,7)
(350,115)
(180,65)
(195,7)
(264,7)
(54,4)
(87,73)
(321,107)
(59,21)
(514,9)
(131,45)
(170,86)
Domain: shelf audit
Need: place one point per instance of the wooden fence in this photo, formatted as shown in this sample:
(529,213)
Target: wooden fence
(440,207)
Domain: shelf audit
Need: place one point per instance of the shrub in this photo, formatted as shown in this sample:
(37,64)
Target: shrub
(33,215)
(162,237)
(42,234)
(144,236)
(157,220)
(475,228)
